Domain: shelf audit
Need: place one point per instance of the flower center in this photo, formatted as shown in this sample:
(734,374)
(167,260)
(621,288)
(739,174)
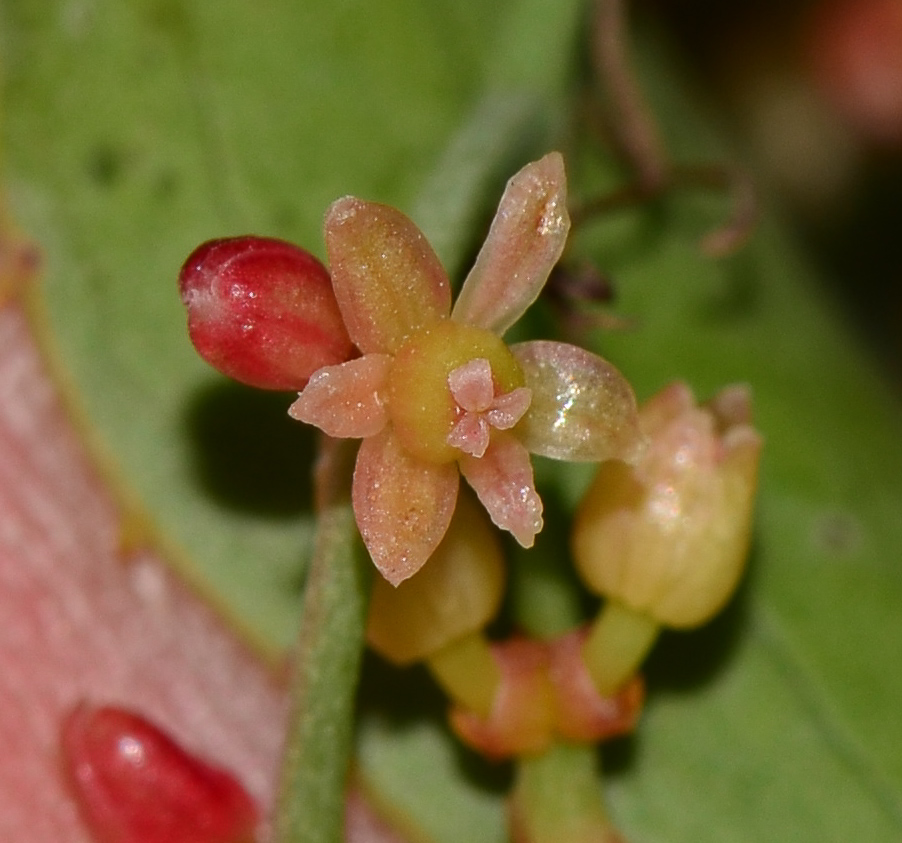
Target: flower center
(449,385)
(480,408)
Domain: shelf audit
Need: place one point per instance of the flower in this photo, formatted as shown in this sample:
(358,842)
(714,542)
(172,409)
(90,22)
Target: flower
(437,393)
(668,537)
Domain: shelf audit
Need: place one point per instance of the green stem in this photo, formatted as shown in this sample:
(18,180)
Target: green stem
(557,798)
(310,802)
(468,673)
(633,122)
(617,644)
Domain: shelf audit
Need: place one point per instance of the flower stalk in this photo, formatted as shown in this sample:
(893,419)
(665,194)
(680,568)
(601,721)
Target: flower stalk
(557,798)
(617,643)
(467,672)
(311,797)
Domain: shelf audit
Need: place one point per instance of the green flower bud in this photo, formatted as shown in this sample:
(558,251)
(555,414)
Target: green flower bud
(669,536)
(456,594)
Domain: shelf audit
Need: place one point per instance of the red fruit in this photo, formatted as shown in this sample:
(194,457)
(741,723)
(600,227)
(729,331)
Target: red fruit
(262,311)
(134,784)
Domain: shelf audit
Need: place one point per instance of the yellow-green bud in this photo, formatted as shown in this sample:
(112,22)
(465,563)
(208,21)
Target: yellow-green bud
(669,535)
(456,594)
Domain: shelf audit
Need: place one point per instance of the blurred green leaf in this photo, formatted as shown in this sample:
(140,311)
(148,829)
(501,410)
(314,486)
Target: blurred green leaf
(134,130)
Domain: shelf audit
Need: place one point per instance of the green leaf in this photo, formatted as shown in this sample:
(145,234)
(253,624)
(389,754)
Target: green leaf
(134,130)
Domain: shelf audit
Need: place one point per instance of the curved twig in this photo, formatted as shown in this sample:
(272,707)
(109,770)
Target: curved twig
(718,242)
(634,127)
(636,134)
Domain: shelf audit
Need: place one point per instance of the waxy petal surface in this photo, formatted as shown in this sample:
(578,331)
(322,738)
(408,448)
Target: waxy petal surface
(522,718)
(582,408)
(344,401)
(456,594)
(525,241)
(387,279)
(509,408)
(470,434)
(664,406)
(583,714)
(503,481)
(471,385)
(403,505)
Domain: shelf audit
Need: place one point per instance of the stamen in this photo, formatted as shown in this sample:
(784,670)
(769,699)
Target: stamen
(472,386)
(478,407)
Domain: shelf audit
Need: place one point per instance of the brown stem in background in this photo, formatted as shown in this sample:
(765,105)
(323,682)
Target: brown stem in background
(634,126)
(738,227)
(622,197)
(719,242)
(635,132)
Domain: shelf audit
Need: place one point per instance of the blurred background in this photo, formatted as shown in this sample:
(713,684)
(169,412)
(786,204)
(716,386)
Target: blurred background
(812,89)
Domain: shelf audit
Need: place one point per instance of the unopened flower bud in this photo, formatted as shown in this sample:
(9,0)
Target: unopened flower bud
(135,784)
(262,311)
(582,713)
(456,594)
(669,536)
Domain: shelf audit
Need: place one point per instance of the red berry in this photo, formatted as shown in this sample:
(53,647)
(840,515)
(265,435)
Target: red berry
(134,784)
(262,311)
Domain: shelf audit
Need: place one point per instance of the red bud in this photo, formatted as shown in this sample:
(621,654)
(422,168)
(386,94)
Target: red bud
(262,311)
(134,784)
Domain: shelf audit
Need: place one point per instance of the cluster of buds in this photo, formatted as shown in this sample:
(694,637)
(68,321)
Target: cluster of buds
(663,539)
(377,352)
(511,697)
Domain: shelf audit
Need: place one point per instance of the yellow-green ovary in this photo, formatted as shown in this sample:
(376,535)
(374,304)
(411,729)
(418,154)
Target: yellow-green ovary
(419,399)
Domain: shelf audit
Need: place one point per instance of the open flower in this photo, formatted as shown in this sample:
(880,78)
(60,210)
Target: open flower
(436,393)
